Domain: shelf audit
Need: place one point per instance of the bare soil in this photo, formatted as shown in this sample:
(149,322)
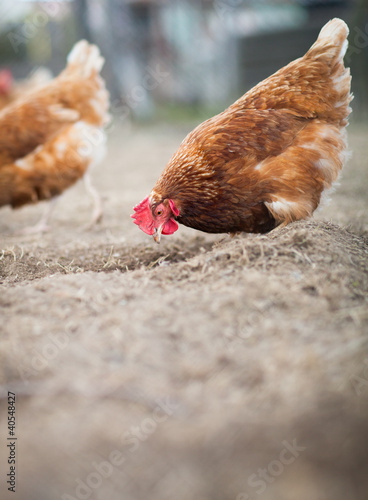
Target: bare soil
(206,368)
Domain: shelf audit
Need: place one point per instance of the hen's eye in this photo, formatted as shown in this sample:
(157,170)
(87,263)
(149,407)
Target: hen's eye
(159,212)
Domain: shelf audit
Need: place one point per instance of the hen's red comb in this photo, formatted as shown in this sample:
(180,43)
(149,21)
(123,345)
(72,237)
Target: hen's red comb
(143,217)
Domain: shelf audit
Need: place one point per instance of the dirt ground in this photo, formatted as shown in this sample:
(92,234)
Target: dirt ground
(206,368)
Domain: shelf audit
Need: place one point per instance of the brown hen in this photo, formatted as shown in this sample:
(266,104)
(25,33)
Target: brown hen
(50,137)
(267,159)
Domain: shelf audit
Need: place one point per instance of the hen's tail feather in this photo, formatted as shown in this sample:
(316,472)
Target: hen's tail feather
(84,64)
(330,48)
(84,60)
(314,86)
(331,43)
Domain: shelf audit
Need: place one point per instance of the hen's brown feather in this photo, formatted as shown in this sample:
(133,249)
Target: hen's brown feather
(268,157)
(47,171)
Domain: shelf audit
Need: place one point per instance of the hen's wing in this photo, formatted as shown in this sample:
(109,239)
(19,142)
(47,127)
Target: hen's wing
(51,168)
(29,123)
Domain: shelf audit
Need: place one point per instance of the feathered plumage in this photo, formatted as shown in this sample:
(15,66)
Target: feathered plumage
(265,160)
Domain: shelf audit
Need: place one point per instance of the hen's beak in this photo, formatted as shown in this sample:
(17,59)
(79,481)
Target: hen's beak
(157,233)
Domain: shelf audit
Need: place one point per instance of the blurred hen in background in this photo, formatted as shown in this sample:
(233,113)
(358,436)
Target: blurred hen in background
(49,136)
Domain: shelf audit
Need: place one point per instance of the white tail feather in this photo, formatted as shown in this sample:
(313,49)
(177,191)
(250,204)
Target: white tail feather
(333,30)
(333,38)
(86,58)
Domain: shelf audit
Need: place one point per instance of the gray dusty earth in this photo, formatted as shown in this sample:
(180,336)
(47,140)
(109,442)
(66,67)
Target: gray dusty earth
(206,368)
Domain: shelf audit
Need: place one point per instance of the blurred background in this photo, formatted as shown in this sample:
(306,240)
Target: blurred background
(178,59)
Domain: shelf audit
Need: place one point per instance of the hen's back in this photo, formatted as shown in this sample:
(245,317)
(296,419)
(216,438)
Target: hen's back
(316,85)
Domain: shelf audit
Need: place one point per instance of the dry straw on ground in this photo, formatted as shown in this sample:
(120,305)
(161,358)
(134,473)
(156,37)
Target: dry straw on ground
(202,361)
